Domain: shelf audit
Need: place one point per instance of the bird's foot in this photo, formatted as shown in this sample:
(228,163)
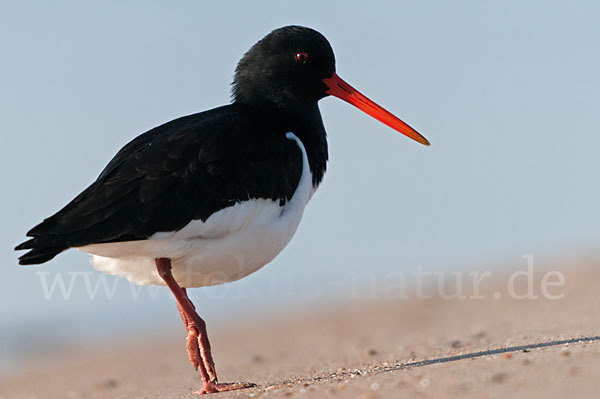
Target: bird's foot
(198,346)
(214,387)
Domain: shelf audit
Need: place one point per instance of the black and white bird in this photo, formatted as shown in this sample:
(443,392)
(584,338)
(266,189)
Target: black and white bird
(212,197)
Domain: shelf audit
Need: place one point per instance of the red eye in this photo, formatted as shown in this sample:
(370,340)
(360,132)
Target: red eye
(302,56)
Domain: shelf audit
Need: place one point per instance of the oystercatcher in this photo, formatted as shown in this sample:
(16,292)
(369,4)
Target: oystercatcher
(212,197)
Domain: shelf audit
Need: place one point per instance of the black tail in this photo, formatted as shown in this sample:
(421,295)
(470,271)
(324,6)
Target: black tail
(39,253)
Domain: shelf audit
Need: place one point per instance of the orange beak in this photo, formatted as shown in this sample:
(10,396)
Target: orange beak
(340,89)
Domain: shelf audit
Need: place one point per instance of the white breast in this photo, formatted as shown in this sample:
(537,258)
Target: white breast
(231,244)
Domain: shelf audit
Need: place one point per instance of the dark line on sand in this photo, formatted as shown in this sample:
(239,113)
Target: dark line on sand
(473,355)
(377,369)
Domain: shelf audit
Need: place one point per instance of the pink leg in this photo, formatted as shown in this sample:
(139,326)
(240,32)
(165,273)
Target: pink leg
(198,345)
(192,338)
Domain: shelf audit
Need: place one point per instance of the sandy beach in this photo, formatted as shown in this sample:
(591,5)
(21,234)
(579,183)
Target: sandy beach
(433,348)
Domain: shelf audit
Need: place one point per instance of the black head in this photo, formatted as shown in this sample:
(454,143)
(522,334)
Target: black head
(294,67)
(285,69)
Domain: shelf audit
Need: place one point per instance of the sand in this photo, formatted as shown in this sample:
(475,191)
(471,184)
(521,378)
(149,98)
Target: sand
(434,348)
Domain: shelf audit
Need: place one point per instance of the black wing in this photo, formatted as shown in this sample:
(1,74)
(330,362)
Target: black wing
(183,170)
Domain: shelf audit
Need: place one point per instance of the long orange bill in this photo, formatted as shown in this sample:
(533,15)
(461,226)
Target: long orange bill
(340,89)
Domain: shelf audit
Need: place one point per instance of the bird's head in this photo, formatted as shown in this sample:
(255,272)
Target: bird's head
(293,67)
(285,67)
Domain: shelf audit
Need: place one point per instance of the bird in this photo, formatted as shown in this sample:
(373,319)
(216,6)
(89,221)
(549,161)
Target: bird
(211,197)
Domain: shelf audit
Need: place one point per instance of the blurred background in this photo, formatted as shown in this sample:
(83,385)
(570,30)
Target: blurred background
(507,93)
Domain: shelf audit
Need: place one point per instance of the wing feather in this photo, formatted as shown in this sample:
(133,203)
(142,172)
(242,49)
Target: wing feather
(186,169)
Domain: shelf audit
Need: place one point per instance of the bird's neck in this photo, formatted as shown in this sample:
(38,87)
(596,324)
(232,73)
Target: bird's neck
(304,120)
(307,125)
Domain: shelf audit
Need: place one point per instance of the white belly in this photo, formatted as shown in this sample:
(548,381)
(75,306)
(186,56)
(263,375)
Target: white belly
(231,244)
